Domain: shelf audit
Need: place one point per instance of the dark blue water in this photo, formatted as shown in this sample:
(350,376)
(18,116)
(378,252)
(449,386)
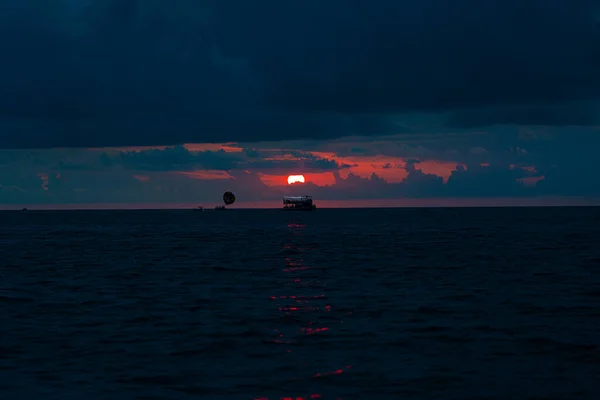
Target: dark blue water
(351,304)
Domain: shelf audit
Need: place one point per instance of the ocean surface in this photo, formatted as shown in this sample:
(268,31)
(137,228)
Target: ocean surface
(454,303)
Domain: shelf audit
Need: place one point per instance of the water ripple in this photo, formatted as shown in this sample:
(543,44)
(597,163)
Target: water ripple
(336,304)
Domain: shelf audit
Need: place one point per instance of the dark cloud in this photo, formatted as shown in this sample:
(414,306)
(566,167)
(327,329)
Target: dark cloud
(430,55)
(306,164)
(297,160)
(178,158)
(486,181)
(158,176)
(420,184)
(563,161)
(129,72)
(474,181)
(536,114)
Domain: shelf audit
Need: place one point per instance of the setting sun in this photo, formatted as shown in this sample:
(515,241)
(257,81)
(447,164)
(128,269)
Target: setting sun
(295,179)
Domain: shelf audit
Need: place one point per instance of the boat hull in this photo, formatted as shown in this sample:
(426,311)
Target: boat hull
(311,208)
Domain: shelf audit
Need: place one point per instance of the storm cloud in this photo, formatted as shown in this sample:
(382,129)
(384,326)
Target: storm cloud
(131,72)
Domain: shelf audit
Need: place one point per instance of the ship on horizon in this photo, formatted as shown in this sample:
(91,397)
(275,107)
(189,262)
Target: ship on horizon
(298,203)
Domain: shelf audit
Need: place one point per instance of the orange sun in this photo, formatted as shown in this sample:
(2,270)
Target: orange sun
(295,179)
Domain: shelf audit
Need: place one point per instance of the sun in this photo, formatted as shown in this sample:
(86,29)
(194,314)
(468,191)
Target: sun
(295,179)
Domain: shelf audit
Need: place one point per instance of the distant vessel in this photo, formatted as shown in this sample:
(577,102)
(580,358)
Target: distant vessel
(199,208)
(220,208)
(298,203)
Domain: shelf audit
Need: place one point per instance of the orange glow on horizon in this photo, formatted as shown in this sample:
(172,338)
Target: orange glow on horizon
(295,179)
(391,169)
(317,178)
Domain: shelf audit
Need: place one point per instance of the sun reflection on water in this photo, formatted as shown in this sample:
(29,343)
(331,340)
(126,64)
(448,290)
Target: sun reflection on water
(304,315)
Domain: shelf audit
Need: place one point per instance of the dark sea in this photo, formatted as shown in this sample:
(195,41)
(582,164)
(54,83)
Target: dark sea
(449,303)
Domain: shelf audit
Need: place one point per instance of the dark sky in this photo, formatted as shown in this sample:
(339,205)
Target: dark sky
(152,72)
(369,99)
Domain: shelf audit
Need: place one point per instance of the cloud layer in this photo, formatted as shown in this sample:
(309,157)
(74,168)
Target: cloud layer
(523,164)
(129,72)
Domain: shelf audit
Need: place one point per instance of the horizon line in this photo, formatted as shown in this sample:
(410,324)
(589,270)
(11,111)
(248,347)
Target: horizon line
(2,210)
(326,204)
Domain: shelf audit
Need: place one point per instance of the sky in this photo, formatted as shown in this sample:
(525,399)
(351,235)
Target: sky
(133,103)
